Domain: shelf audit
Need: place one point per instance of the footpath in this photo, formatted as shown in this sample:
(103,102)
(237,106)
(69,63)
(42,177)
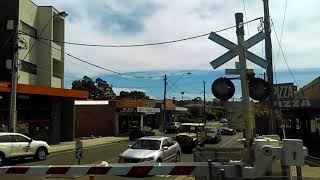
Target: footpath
(90,142)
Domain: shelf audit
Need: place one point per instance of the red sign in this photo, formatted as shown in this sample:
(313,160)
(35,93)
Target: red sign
(5,84)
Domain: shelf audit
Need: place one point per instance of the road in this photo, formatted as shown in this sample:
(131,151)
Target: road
(108,153)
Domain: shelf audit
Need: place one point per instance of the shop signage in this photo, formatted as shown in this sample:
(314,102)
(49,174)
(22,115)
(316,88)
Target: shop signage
(148,110)
(128,110)
(284,91)
(5,84)
(297,103)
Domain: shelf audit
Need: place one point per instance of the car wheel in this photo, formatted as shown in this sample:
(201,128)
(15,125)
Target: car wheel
(2,159)
(201,144)
(41,153)
(178,157)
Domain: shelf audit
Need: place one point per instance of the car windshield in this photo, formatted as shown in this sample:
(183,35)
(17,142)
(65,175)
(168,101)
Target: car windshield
(211,130)
(146,144)
(188,128)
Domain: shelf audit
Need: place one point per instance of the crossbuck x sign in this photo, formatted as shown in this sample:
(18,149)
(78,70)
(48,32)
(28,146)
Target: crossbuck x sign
(234,50)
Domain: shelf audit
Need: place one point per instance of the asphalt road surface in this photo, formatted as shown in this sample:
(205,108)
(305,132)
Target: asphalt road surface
(108,153)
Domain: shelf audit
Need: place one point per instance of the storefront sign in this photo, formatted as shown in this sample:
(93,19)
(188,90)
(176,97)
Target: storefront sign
(127,110)
(148,110)
(298,103)
(284,91)
(5,84)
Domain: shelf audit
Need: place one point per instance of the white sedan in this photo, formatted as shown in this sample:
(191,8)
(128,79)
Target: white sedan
(15,145)
(152,149)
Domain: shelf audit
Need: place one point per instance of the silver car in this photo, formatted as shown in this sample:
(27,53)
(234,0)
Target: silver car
(152,149)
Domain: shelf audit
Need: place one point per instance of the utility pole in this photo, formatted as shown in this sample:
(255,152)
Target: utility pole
(204,102)
(164,103)
(268,49)
(244,80)
(249,132)
(182,93)
(14,82)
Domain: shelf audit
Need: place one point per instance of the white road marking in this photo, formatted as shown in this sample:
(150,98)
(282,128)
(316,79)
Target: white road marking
(237,136)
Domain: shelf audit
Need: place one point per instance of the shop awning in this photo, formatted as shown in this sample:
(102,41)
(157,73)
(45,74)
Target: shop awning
(148,110)
(181,109)
(44,90)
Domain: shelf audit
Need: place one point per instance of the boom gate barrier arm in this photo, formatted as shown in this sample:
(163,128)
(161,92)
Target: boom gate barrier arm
(291,152)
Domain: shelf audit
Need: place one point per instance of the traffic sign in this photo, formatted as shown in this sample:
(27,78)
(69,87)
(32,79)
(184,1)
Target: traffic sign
(234,50)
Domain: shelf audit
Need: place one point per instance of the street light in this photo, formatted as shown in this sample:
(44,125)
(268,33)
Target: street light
(182,93)
(15,66)
(179,78)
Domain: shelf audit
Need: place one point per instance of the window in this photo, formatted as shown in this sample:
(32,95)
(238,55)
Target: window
(170,142)
(19,138)
(28,67)
(57,69)
(167,142)
(5,139)
(25,28)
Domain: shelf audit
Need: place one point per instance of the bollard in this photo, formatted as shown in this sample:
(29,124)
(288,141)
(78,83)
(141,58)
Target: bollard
(210,169)
(299,173)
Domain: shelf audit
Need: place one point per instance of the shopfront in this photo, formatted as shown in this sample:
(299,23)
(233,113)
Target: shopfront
(136,117)
(43,113)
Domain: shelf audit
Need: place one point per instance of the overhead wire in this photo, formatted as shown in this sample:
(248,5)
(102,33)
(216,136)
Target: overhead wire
(143,44)
(281,34)
(70,76)
(97,66)
(284,57)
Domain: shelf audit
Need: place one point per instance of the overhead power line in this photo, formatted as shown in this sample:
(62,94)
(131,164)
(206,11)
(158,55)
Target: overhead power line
(281,34)
(139,45)
(245,14)
(97,66)
(284,57)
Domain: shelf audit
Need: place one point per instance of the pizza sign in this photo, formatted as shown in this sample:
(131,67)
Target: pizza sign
(284,91)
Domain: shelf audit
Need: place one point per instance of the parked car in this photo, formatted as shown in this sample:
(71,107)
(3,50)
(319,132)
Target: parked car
(213,134)
(227,131)
(152,149)
(15,145)
(190,135)
(136,132)
(172,127)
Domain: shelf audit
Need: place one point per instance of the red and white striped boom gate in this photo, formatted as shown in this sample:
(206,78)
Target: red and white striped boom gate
(129,169)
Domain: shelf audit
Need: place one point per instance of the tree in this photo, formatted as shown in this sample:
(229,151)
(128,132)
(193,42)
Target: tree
(133,95)
(98,90)
(104,90)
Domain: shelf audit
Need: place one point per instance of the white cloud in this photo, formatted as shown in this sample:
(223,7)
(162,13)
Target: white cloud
(178,19)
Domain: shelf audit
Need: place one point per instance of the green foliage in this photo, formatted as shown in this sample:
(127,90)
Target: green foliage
(133,95)
(98,90)
(195,111)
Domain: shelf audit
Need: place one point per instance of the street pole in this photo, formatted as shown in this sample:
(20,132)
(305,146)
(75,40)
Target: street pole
(164,103)
(268,49)
(244,81)
(182,93)
(204,102)
(14,82)
(247,114)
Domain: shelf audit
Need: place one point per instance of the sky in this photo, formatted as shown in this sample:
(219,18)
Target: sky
(122,22)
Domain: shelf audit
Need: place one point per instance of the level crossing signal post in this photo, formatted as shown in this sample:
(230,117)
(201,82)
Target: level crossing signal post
(241,50)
